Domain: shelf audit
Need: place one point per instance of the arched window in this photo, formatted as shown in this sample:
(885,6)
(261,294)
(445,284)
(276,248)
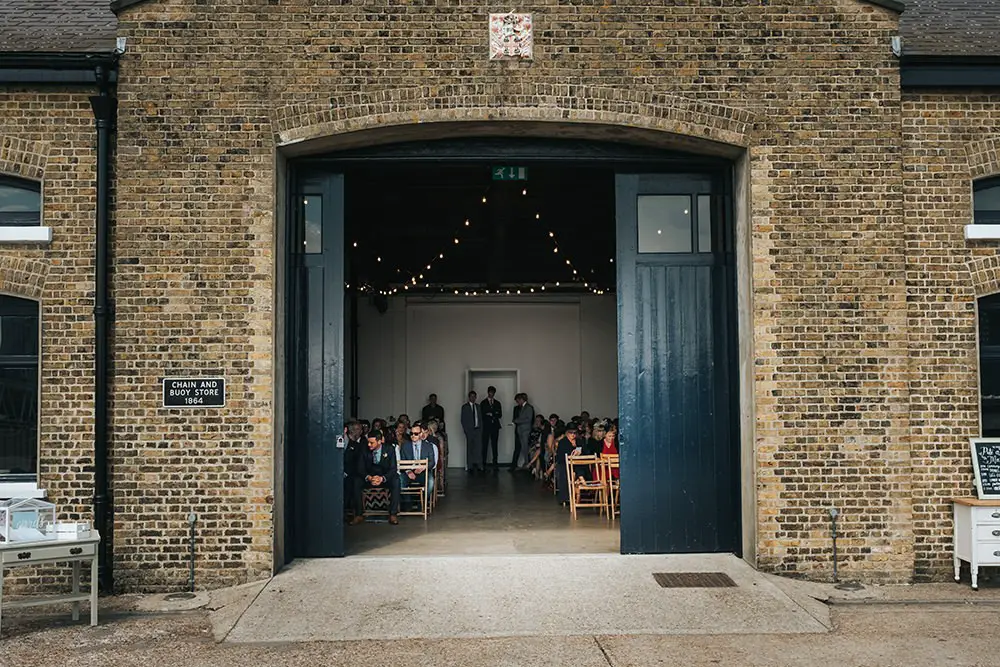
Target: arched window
(989,363)
(986,198)
(18,389)
(20,202)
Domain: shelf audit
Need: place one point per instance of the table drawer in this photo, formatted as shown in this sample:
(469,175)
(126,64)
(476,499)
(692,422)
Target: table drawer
(988,553)
(35,553)
(988,532)
(986,514)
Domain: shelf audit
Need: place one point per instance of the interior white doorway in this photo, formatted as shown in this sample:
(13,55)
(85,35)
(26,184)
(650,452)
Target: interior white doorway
(506,382)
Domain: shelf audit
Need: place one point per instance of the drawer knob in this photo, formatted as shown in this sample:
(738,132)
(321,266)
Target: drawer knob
(996,515)
(24,555)
(997,554)
(76,551)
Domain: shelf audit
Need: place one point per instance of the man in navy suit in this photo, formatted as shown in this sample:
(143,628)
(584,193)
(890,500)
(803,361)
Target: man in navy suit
(377,470)
(492,413)
(472,424)
(415,450)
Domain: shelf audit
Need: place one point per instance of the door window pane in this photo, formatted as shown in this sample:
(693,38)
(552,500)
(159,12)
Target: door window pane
(312,215)
(987,202)
(664,223)
(20,203)
(704,223)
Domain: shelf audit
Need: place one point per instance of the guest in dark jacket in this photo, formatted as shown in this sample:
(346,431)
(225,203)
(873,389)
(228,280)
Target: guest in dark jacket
(567,446)
(377,470)
(353,450)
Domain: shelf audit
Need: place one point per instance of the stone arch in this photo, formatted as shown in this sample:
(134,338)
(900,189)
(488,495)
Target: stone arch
(22,277)
(985,272)
(984,158)
(23,158)
(714,125)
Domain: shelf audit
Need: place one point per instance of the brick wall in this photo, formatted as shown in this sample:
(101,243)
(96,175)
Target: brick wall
(207,94)
(48,135)
(949,139)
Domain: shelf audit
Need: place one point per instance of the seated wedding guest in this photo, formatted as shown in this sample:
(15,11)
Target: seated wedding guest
(405,418)
(592,446)
(567,447)
(415,450)
(536,455)
(431,436)
(366,427)
(377,470)
(432,410)
(398,435)
(353,449)
(585,417)
(378,425)
(609,447)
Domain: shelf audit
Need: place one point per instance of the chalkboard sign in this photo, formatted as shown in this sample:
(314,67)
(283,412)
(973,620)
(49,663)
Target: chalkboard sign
(986,464)
(194,393)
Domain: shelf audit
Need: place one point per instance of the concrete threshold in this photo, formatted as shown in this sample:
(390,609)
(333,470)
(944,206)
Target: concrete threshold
(440,597)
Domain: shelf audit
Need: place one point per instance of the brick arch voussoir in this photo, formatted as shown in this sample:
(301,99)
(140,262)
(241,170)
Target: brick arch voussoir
(985,272)
(22,277)
(23,157)
(984,158)
(295,123)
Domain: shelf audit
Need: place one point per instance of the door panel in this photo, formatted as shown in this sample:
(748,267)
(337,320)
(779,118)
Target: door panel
(680,492)
(318,345)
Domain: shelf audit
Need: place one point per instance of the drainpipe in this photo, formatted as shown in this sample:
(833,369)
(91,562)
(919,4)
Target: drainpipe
(104,107)
(353,296)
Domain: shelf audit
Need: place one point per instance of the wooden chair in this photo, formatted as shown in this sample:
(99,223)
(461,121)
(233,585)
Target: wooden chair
(584,493)
(410,490)
(612,485)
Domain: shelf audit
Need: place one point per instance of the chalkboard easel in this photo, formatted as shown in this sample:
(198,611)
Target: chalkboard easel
(986,464)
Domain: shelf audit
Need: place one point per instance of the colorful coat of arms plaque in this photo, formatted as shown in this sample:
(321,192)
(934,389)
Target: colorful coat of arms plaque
(510,37)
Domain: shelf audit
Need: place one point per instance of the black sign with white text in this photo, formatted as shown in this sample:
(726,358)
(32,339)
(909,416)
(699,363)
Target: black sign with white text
(194,392)
(986,466)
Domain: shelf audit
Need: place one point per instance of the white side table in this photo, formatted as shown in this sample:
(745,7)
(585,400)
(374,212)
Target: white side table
(76,552)
(976,535)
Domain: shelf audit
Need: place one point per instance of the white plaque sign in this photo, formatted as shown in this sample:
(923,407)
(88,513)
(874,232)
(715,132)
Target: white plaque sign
(511,37)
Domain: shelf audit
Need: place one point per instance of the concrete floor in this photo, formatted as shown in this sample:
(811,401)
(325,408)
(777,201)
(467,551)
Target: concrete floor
(436,597)
(498,514)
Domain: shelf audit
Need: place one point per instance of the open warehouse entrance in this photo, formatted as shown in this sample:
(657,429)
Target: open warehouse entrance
(594,278)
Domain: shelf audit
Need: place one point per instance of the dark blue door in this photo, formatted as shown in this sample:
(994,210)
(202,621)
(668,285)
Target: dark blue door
(317,348)
(680,447)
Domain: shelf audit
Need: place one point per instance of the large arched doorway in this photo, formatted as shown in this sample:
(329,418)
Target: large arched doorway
(668,236)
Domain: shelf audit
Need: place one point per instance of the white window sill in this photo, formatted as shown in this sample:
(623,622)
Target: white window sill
(982,232)
(20,490)
(25,235)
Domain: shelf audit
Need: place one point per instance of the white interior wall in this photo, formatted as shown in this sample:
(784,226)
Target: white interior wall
(565,350)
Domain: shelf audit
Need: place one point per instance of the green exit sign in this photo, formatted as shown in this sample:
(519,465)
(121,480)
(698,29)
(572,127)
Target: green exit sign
(510,173)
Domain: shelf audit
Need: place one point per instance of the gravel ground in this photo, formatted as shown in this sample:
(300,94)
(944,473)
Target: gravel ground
(896,633)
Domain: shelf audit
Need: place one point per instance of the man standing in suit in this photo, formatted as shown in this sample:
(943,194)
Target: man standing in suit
(524,417)
(492,414)
(432,410)
(377,470)
(472,424)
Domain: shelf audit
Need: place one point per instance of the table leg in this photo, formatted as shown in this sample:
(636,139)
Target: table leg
(975,576)
(76,589)
(93,590)
(958,569)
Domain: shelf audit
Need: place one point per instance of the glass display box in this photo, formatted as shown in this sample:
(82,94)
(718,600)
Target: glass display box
(27,520)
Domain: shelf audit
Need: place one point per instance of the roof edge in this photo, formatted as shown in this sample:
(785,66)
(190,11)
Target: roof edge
(894,5)
(56,60)
(118,5)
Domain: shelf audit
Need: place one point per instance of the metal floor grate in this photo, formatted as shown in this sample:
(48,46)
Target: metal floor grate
(693,580)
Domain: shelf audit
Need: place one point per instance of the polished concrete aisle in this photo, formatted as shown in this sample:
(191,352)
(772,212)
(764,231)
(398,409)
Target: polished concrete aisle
(498,514)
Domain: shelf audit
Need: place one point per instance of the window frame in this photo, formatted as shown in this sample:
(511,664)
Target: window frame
(26,484)
(28,185)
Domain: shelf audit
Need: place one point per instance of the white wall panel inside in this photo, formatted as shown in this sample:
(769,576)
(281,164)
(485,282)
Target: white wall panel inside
(564,349)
